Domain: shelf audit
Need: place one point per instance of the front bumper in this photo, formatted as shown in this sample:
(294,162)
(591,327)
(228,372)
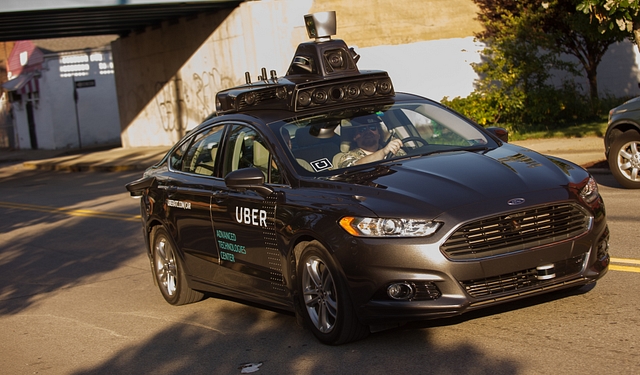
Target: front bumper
(464,286)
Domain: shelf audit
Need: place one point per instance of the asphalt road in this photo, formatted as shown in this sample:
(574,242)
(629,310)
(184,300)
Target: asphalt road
(77,297)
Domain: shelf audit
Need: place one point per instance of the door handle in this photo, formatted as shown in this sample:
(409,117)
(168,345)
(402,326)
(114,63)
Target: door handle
(219,196)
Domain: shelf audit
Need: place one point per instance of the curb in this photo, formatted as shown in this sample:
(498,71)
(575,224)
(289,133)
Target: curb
(82,168)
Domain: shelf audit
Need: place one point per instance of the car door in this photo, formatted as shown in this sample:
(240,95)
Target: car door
(244,221)
(188,201)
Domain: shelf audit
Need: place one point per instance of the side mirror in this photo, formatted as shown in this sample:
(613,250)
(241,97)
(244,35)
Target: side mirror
(138,187)
(248,179)
(501,133)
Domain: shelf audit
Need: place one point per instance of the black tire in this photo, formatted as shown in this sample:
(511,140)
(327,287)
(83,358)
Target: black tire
(168,270)
(325,303)
(624,159)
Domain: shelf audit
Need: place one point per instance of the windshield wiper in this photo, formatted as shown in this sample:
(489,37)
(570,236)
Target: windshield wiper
(364,173)
(456,149)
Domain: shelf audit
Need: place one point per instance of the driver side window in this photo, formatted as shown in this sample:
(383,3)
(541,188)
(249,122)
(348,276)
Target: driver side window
(245,148)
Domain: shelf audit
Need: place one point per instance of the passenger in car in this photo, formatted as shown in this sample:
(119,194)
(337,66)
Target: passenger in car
(365,143)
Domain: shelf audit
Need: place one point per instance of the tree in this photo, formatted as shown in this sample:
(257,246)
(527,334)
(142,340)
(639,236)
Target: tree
(611,14)
(557,26)
(574,34)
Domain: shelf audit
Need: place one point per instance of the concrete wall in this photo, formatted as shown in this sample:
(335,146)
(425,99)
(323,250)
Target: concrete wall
(368,23)
(167,77)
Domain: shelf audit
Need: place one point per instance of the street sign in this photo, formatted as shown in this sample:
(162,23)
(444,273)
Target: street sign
(86,83)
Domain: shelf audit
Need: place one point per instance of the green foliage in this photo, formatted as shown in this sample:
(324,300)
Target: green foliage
(542,105)
(524,40)
(595,128)
(612,14)
(483,109)
(567,126)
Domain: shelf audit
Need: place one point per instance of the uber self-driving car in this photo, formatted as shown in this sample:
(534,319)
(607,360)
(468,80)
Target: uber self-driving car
(274,200)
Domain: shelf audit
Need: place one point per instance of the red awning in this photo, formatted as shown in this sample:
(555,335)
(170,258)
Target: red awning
(23,84)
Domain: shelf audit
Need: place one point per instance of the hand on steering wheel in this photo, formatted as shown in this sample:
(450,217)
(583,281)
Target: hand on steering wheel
(389,154)
(391,148)
(414,139)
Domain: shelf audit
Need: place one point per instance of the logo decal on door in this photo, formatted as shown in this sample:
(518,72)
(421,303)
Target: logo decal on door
(251,216)
(179,204)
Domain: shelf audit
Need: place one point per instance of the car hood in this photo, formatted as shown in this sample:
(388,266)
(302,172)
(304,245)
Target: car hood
(629,105)
(439,182)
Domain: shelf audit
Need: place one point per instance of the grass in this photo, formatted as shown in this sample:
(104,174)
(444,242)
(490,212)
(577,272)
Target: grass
(595,128)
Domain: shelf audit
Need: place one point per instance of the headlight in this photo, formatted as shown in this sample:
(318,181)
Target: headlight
(589,192)
(382,227)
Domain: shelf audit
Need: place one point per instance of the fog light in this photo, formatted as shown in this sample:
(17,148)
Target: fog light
(403,291)
(602,253)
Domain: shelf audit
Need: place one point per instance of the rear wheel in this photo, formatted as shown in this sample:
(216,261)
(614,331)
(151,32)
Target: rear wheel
(168,270)
(624,159)
(326,306)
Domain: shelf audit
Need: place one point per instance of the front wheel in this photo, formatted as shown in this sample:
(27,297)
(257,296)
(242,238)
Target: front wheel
(168,271)
(624,159)
(326,306)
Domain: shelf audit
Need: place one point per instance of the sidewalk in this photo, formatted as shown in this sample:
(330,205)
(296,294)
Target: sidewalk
(587,152)
(110,160)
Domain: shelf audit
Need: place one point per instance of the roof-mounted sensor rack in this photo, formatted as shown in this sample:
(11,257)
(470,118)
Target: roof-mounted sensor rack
(323,72)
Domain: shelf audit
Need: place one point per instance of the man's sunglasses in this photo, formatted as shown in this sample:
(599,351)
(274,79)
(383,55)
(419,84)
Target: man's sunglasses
(362,129)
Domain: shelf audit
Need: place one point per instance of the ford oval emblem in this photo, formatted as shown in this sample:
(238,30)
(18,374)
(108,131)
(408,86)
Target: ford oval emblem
(515,201)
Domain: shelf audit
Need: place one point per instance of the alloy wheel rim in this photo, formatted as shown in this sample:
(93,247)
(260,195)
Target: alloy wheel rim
(629,161)
(166,267)
(320,296)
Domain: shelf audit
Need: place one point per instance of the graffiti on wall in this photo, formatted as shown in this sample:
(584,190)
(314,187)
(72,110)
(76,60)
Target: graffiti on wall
(183,103)
(168,105)
(205,88)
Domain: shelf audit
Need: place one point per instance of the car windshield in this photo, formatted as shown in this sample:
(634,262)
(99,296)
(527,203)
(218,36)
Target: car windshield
(339,140)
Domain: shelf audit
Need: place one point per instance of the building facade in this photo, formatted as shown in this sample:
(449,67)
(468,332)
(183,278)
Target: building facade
(62,99)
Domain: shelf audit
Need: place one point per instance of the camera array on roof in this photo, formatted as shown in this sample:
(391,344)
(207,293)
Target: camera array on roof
(322,73)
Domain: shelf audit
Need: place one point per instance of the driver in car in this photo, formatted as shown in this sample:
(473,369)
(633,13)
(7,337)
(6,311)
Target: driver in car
(366,146)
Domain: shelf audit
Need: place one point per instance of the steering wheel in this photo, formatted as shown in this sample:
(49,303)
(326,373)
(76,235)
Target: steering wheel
(414,139)
(406,140)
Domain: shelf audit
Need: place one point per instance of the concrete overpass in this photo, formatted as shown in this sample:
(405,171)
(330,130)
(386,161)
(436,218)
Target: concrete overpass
(42,19)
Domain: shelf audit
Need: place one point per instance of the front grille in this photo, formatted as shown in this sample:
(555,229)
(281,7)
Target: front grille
(426,291)
(516,231)
(521,280)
